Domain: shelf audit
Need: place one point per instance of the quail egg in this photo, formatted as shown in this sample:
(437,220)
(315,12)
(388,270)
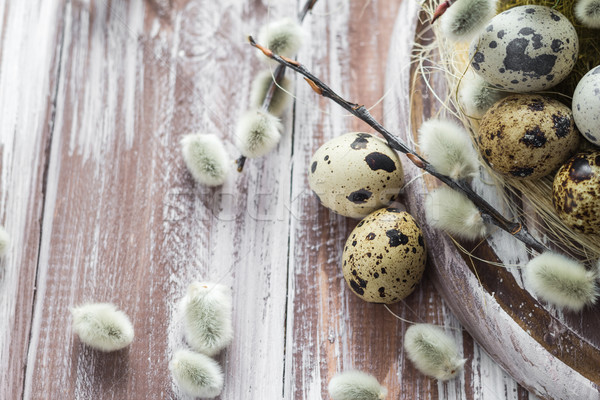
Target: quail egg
(527,136)
(384,256)
(525,49)
(586,106)
(576,192)
(355,174)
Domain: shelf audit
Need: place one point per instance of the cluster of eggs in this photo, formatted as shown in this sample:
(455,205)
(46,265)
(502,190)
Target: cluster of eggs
(526,135)
(358,175)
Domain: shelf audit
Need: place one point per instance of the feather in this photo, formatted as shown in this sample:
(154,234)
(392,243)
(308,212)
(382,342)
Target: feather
(198,375)
(454,213)
(205,158)
(102,326)
(448,148)
(562,281)
(207,310)
(355,385)
(433,352)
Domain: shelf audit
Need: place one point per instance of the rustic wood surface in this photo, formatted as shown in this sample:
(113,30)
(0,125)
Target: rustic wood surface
(94,97)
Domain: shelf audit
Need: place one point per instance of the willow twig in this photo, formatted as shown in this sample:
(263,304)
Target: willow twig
(278,75)
(488,213)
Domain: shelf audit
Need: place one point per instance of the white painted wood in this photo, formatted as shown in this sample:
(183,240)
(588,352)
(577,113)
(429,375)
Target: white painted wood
(29,44)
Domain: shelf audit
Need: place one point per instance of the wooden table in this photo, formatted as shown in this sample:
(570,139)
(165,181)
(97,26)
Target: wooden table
(94,98)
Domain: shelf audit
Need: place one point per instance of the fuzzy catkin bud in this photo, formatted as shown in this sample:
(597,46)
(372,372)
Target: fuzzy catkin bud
(448,148)
(207,310)
(588,13)
(102,326)
(355,385)
(433,352)
(465,18)
(198,375)
(283,37)
(4,241)
(205,158)
(280,99)
(257,133)
(562,281)
(477,96)
(454,213)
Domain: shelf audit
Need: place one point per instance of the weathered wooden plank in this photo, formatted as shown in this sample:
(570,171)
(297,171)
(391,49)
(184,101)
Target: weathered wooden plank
(124,221)
(30,43)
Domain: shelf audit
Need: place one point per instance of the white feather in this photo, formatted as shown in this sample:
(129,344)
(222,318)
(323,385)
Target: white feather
(466,18)
(283,37)
(257,133)
(4,241)
(476,95)
(205,158)
(588,13)
(207,310)
(433,352)
(281,98)
(102,326)
(453,212)
(355,385)
(198,375)
(562,281)
(447,146)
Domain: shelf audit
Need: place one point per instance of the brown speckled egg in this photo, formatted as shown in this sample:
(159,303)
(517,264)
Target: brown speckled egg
(527,136)
(384,256)
(576,192)
(355,174)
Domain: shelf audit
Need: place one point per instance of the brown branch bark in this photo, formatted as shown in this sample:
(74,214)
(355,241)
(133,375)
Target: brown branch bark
(488,213)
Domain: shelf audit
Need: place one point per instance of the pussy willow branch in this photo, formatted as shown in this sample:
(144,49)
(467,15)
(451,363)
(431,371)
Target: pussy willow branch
(488,213)
(278,74)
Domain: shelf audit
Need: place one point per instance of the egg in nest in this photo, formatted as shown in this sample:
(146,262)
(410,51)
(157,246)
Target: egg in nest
(586,106)
(576,192)
(527,136)
(525,49)
(384,256)
(355,174)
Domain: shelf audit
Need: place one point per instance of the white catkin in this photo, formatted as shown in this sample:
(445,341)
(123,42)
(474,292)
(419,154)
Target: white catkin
(466,18)
(562,281)
(588,13)
(355,385)
(283,37)
(4,241)
(257,133)
(207,317)
(102,326)
(196,374)
(280,100)
(476,95)
(205,158)
(453,212)
(448,148)
(433,352)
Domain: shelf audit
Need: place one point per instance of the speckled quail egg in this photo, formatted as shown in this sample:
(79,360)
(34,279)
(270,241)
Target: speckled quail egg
(586,106)
(525,49)
(527,136)
(576,192)
(384,257)
(355,174)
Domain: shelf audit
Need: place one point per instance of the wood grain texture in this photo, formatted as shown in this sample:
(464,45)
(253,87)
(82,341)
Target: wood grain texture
(105,89)
(30,45)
